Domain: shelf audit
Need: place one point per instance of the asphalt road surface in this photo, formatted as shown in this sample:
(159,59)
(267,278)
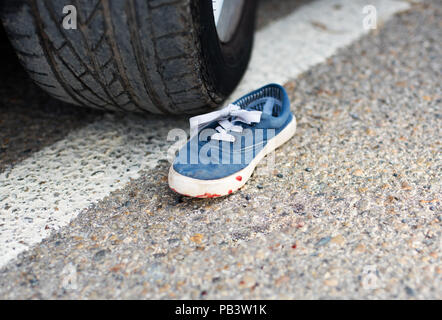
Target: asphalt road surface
(351,209)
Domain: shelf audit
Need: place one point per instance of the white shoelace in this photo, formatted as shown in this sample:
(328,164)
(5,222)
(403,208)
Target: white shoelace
(225,125)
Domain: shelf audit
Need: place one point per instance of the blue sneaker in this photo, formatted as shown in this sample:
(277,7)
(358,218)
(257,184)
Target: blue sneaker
(226,145)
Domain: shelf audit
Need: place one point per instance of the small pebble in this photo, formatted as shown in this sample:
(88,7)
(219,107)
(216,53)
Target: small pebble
(409,291)
(354,116)
(33,282)
(323,241)
(247,282)
(298,208)
(339,240)
(358,173)
(331,282)
(99,255)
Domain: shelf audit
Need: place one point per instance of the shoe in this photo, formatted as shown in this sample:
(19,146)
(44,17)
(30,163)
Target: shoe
(226,145)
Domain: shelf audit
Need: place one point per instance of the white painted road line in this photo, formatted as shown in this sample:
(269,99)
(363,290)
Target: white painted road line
(46,191)
(307,37)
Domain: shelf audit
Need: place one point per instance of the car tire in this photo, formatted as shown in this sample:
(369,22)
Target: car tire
(157,56)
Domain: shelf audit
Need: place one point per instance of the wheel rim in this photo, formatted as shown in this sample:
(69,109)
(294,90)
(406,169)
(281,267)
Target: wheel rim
(227,14)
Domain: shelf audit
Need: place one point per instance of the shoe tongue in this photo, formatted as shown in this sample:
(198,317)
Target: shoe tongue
(267,108)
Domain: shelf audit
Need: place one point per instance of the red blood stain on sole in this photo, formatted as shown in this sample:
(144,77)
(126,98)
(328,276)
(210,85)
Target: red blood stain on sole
(230,191)
(208,195)
(239,178)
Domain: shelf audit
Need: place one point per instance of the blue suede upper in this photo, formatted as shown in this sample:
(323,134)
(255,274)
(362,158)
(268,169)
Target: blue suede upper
(207,159)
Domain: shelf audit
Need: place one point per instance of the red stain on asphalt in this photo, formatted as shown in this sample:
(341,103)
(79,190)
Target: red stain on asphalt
(294,246)
(239,178)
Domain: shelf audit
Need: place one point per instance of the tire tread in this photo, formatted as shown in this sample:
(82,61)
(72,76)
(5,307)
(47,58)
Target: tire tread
(126,70)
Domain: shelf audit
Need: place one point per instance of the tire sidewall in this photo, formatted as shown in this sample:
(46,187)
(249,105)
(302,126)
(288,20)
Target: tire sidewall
(225,63)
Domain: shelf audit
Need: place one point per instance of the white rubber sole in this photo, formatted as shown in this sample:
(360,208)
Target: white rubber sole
(196,188)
